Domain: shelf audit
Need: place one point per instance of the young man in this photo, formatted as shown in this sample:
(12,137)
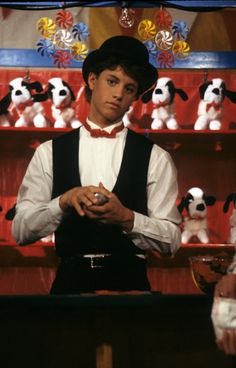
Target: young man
(103,246)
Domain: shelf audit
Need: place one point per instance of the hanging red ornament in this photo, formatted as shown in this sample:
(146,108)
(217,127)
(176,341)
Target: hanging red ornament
(163,19)
(64,19)
(61,59)
(165,59)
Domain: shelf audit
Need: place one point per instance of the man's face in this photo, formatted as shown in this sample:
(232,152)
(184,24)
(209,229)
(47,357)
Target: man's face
(113,91)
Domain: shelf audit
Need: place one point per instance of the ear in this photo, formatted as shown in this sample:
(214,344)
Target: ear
(209,200)
(231,95)
(69,88)
(11,213)
(40,97)
(227,202)
(5,103)
(35,85)
(202,89)
(92,80)
(182,94)
(147,96)
(182,204)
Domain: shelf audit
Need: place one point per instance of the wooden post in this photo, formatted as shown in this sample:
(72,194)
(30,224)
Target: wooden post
(104,356)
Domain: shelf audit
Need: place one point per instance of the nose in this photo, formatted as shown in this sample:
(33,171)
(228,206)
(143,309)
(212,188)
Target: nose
(18,92)
(200,207)
(62,92)
(118,92)
(216,91)
(158,91)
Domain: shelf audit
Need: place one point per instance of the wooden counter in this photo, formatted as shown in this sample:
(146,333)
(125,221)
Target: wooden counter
(109,331)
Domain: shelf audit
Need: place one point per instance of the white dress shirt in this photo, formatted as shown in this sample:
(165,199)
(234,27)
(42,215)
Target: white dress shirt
(37,215)
(232,267)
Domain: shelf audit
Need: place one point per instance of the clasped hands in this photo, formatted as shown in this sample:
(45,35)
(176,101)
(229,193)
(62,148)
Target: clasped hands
(85,202)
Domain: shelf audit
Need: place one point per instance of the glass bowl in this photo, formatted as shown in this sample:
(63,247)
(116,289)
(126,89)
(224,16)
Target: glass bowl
(207,270)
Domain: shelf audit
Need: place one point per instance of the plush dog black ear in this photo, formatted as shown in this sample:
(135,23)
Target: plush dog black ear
(231,95)
(184,202)
(37,86)
(209,200)
(40,97)
(71,92)
(11,213)
(5,103)
(182,205)
(147,96)
(182,94)
(231,198)
(202,89)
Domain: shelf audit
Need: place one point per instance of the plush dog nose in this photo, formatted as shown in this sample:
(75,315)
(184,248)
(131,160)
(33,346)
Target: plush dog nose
(62,92)
(200,207)
(158,91)
(216,91)
(18,92)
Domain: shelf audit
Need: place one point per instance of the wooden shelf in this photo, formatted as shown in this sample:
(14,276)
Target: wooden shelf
(188,138)
(12,138)
(171,139)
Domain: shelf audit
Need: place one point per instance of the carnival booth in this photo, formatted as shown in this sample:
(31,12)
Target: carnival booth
(193,116)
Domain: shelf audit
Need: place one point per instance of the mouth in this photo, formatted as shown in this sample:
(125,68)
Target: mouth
(113,105)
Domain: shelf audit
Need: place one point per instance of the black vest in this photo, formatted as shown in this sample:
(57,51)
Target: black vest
(80,235)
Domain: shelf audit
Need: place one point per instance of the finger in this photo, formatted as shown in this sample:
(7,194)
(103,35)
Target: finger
(232,341)
(97,210)
(228,342)
(104,191)
(88,198)
(79,209)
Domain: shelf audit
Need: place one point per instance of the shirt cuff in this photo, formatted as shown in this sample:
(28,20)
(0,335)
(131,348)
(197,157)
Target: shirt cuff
(55,209)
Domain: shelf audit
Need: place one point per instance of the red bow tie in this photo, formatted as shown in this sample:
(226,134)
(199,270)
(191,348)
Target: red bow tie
(103,133)
(217,107)
(161,104)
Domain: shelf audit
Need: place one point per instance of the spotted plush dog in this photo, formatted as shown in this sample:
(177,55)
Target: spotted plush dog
(163,96)
(195,223)
(210,108)
(62,98)
(22,106)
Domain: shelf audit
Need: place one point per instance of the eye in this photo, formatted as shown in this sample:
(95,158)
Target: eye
(111,82)
(130,90)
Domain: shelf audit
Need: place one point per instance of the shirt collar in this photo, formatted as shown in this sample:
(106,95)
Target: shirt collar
(107,129)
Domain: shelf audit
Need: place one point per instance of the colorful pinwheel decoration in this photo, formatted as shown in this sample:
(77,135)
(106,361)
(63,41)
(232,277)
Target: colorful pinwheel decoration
(62,40)
(164,39)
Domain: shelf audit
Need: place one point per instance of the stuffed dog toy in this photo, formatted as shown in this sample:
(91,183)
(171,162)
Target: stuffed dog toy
(62,98)
(22,105)
(210,108)
(163,96)
(195,223)
(231,198)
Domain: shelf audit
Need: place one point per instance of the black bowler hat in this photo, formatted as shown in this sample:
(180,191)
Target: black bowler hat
(123,48)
